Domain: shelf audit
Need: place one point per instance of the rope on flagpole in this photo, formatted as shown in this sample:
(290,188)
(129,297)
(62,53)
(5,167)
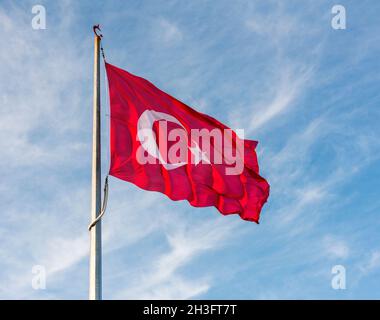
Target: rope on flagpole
(104,206)
(102,51)
(96,28)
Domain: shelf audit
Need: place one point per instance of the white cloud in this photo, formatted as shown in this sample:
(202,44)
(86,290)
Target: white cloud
(335,248)
(284,95)
(163,280)
(372,264)
(289,76)
(168,32)
(41,135)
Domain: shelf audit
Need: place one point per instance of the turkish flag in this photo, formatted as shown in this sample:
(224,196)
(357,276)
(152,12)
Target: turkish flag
(160,144)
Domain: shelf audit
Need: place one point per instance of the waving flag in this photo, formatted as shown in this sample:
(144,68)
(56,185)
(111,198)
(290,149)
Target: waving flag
(160,144)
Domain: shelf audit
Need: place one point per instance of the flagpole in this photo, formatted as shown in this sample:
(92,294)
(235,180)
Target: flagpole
(95,285)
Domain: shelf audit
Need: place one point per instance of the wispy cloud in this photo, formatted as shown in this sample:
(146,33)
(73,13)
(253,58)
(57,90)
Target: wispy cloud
(335,248)
(168,32)
(285,92)
(162,279)
(372,264)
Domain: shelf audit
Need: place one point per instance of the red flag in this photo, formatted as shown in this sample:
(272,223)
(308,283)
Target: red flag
(160,144)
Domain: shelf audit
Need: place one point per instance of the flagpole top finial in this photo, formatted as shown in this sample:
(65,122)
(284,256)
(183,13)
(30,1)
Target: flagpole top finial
(96,28)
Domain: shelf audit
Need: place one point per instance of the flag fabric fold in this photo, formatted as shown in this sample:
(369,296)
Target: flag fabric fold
(150,128)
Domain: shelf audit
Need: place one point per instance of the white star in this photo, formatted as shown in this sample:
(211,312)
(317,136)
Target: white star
(199,155)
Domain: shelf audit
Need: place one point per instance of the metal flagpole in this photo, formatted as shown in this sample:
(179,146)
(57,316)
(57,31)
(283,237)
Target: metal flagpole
(95,287)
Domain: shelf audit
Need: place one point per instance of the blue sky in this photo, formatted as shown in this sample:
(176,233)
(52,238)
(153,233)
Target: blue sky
(308,93)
